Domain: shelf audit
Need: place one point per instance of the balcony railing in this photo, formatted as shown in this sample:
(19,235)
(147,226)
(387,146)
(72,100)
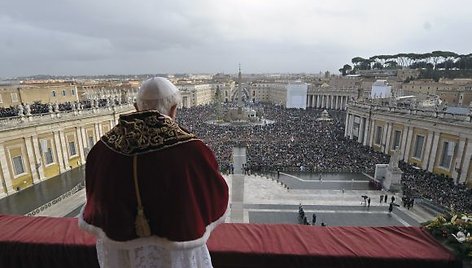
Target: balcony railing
(58,242)
(432,113)
(34,119)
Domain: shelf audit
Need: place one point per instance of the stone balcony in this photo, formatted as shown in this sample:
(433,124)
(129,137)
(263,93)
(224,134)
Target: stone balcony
(58,242)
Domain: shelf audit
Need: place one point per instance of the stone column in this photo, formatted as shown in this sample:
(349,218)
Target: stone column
(466,162)
(30,155)
(59,151)
(457,161)
(409,144)
(383,141)
(372,132)
(366,132)
(5,171)
(97,129)
(346,125)
(65,149)
(84,136)
(388,137)
(351,124)
(318,101)
(434,152)
(39,157)
(360,136)
(80,144)
(403,143)
(427,151)
(112,124)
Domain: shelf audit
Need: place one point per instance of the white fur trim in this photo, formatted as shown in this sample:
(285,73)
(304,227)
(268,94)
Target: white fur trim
(152,240)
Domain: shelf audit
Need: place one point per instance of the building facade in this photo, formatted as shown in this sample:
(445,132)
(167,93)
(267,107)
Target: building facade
(14,95)
(38,147)
(436,141)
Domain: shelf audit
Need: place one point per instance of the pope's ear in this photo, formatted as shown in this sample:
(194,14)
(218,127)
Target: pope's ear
(173,111)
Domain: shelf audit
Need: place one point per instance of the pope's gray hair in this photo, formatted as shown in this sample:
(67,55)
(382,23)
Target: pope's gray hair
(162,105)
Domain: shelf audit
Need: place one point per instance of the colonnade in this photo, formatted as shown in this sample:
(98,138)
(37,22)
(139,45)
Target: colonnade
(379,130)
(335,102)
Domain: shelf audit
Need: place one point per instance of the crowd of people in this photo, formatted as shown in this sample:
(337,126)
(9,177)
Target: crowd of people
(437,188)
(297,141)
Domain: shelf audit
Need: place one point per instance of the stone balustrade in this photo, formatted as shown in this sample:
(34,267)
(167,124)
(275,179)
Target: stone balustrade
(34,119)
(408,111)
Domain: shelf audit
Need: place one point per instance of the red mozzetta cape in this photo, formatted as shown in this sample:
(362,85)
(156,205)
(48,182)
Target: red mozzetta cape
(183,194)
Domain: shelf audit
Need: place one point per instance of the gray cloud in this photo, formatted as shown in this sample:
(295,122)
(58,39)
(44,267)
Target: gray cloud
(89,37)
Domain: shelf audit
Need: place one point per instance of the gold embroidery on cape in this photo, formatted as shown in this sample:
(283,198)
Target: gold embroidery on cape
(145,133)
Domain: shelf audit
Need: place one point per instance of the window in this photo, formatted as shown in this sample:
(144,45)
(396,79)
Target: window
(418,153)
(72,92)
(355,129)
(48,156)
(91,141)
(14,97)
(53,93)
(446,154)
(378,135)
(396,139)
(63,92)
(72,150)
(18,165)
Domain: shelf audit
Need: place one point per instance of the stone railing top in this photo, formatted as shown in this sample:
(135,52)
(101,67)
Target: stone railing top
(333,90)
(58,242)
(35,119)
(409,111)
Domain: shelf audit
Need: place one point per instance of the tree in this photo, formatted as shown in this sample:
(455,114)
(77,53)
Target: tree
(377,66)
(346,69)
(421,65)
(391,65)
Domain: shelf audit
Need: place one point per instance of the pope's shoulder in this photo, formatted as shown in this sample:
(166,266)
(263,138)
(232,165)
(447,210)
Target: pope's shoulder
(188,146)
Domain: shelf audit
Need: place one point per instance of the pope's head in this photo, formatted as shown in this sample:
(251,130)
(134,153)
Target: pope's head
(159,94)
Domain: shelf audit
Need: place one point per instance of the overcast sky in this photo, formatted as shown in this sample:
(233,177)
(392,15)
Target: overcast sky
(61,37)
